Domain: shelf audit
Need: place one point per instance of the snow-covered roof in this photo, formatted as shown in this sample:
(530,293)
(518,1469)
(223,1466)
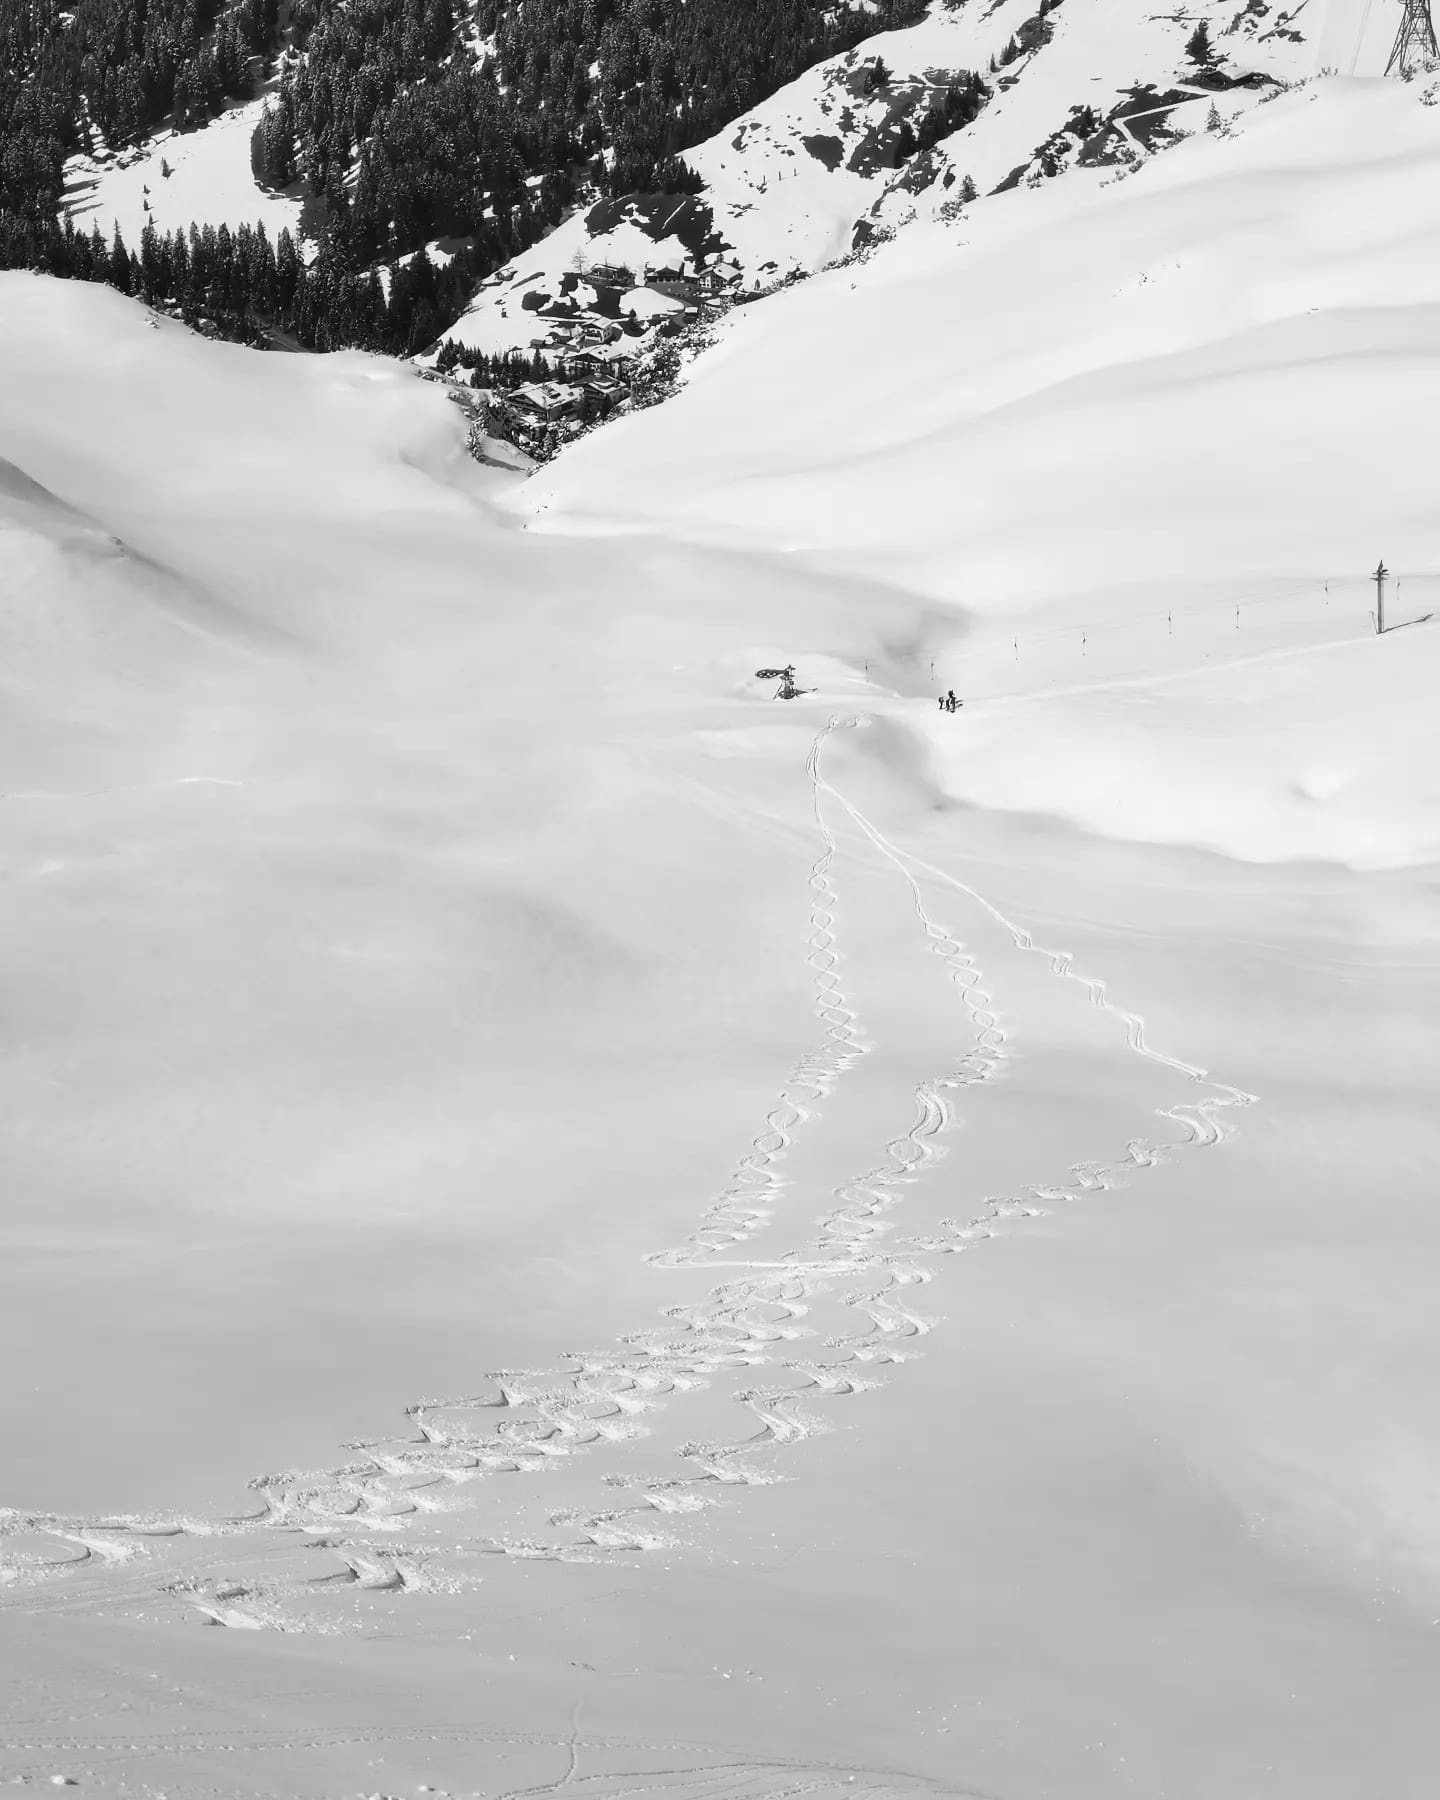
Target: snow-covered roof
(546,393)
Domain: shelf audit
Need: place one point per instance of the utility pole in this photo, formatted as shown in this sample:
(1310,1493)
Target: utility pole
(1381,573)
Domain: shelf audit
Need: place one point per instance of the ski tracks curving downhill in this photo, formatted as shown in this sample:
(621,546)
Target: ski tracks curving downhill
(744,1338)
(745,1204)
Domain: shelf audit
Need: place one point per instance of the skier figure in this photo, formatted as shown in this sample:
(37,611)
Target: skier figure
(950,701)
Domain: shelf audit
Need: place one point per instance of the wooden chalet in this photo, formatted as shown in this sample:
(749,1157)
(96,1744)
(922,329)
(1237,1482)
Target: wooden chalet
(719,277)
(594,361)
(546,402)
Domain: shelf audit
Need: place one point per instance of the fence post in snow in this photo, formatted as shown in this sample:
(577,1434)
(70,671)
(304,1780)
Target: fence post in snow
(1380,573)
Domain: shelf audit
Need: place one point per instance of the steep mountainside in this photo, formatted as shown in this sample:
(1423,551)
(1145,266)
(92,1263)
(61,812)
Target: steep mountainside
(394,122)
(973,99)
(405,151)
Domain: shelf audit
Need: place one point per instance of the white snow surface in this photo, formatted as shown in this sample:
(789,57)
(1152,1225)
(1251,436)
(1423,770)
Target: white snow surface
(1108,432)
(742,1247)
(211,182)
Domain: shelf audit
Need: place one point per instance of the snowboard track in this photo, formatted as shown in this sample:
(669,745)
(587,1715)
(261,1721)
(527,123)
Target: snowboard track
(744,1332)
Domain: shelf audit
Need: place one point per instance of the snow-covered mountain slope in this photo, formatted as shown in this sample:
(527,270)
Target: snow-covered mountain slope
(807,175)
(1087,420)
(176,179)
(817,168)
(742,1247)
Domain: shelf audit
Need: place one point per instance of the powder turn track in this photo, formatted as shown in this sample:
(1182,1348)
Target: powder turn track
(390,1519)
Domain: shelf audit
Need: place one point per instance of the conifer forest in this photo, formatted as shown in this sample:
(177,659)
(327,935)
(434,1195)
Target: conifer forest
(396,121)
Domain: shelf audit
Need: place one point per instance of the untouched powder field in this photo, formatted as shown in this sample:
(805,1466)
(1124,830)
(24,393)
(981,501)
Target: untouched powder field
(574,1228)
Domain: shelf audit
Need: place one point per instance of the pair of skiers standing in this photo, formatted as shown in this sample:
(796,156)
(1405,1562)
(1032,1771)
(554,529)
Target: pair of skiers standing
(948,702)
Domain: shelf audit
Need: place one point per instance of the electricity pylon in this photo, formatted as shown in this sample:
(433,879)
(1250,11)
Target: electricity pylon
(1415,40)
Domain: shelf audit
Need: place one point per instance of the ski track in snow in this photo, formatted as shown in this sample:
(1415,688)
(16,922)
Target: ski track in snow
(746,1332)
(678,1771)
(746,1203)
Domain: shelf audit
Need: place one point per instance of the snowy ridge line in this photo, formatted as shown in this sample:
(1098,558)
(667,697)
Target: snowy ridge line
(1198,1120)
(747,1203)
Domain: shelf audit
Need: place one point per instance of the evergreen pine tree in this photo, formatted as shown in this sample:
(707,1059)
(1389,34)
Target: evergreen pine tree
(119,275)
(287,270)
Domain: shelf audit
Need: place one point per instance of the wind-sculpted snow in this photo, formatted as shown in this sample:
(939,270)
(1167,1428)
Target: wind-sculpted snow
(832,1312)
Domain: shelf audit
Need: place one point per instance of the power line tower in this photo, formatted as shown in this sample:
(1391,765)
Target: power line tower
(1415,40)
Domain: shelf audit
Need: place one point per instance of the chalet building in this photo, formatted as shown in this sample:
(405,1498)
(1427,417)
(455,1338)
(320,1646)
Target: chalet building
(593,361)
(674,287)
(719,277)
(611,275)
(546,402)
(576,365)
(678,280)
